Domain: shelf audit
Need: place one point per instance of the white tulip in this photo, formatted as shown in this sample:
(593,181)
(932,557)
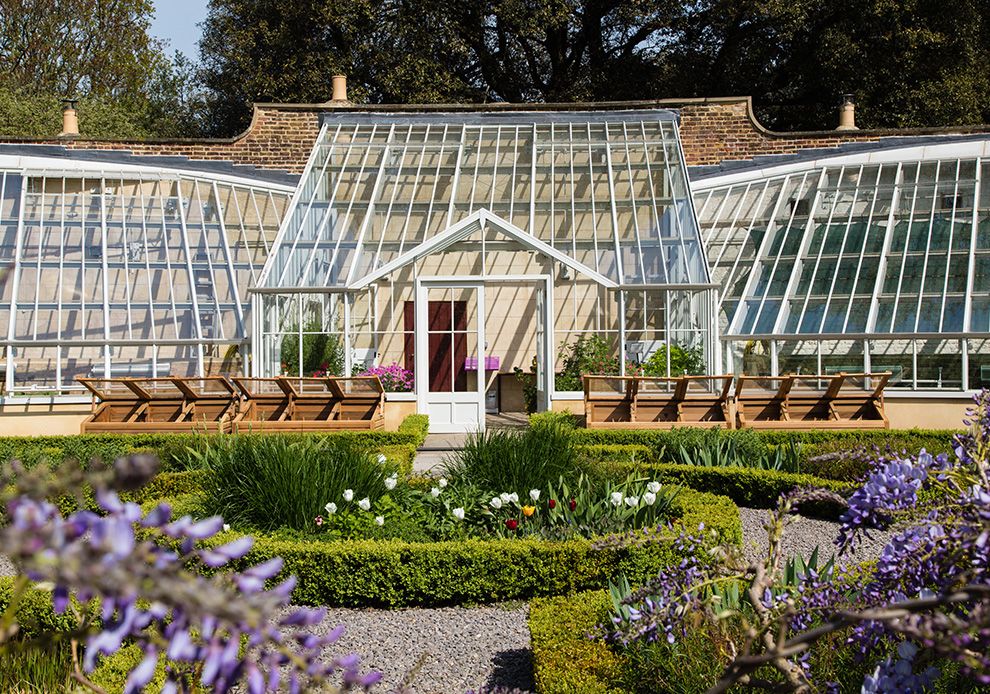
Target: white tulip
(653,487)
(435,492)
(382,459)
(365,504)
(443,483)
(331,508)
(226,527)
(380,520)
(505,498)
(632,501)
(514,498)
(616,498)
(495,503)
(534,494)
(390,483)
(458,513)
(649,498)
(348,495)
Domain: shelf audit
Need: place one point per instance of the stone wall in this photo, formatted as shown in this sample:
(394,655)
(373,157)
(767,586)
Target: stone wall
(712,130)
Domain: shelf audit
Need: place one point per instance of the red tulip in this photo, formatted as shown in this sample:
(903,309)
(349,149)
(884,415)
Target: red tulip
(511,523)
(552,503)
(573,504)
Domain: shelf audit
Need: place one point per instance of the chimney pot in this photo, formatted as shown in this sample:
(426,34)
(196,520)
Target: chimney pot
(847,113)
(339,88)
(70,121)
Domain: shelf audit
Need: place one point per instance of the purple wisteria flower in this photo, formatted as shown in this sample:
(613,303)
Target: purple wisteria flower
(219,629)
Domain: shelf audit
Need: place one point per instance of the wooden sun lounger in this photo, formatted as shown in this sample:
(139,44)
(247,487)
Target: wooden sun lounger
(160,405)
(643,402)
(310,404)
(820,401)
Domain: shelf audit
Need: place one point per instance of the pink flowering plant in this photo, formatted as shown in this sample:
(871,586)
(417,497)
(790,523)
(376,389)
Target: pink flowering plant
(394,378)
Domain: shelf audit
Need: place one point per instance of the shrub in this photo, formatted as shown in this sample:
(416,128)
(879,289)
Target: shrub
(514,461)
(565,660)
(416,426)
(617,453)
(173,449)
(273,481)
(322,354)
(393,573)
(745,486)
(589,354)
(683,360)
(565,420)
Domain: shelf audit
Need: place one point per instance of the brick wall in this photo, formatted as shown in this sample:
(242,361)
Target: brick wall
(712,131)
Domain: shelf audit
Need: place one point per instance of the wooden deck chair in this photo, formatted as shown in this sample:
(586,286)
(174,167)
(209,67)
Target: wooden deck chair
(266,402)
(761,401)
(361,402)
(655,402)
(858,402)
(114,403)
(213,401)
(706,401)
(608,401)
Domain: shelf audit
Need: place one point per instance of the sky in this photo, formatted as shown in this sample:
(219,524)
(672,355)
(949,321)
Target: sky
(175,21)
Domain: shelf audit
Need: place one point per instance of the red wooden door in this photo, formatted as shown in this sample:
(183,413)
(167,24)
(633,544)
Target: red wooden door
(447,338)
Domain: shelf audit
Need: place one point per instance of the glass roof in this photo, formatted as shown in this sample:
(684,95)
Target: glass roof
(608,190)
(853,249)
(150,258)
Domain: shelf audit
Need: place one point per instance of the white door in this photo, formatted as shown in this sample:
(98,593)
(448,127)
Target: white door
(450,355)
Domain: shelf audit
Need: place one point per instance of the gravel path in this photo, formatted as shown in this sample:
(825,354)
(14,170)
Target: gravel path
(456,649)
(6,566)
(802,535)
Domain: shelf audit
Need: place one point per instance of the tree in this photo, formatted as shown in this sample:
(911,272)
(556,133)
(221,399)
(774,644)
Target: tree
(100,52)
(908,62)
(77,47)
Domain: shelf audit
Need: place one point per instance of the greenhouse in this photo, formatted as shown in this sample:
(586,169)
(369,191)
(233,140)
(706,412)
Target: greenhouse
(480,260)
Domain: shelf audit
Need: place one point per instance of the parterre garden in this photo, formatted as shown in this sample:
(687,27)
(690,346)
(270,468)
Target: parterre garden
(579,522)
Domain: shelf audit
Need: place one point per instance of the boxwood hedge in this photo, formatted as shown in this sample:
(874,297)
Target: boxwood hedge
(395,573)
(400,445)
(565,660)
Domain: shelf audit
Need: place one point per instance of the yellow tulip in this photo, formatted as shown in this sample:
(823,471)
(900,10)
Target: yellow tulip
(528,510)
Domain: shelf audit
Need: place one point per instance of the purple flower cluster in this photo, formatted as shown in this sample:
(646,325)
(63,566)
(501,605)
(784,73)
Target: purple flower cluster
(891,486)
(394,378)
(221,629)
(898,675)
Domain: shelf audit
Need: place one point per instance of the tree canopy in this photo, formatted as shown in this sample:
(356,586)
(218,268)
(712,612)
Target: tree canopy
(907,62)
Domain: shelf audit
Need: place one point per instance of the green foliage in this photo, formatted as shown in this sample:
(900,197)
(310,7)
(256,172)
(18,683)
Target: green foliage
(721,451)
(617,453)
(589,354)
(174,449)
(274,481)
(565,660)
(322,354)
(565,420)
(113,670)
(400,457)
(35,670)
(747,487)
(514,461)
(749,444)
(394,573)
(418,425)
(683,360)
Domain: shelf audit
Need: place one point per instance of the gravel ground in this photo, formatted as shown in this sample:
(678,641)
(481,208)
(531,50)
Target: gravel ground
(456,649)
(6,567)
(802,535)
